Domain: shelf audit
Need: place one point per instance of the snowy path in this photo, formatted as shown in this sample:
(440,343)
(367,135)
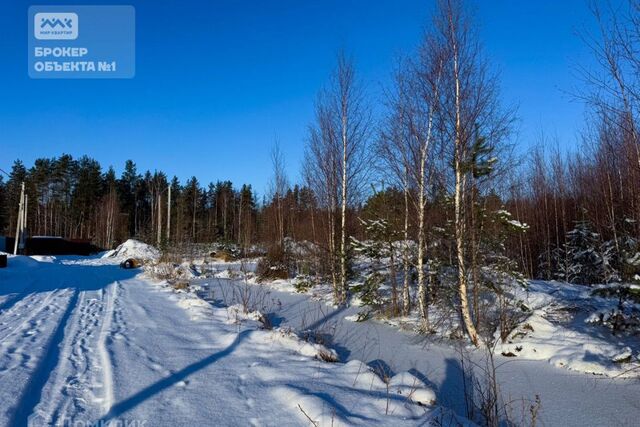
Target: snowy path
(568,398)
(85,341)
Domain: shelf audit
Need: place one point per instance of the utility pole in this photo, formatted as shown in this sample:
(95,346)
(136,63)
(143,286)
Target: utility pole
(19,221)
(159,219)
(23,238)
(169,214)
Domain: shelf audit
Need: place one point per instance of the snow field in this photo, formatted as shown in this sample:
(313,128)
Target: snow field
(82,340)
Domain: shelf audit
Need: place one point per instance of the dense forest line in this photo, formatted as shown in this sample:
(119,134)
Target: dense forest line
(438,169)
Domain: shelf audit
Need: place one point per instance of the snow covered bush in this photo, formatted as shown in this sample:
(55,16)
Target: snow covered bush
(625,316)
(302,283)
(274,265)
(582,251)
(586,259)
(379,262)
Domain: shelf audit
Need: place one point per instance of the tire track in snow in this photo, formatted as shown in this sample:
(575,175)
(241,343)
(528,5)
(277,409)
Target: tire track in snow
(103,351)
(121,331)
(33,393)
(44,305)
(84,376)
(8,304)
(70,378)
(58,374)
(17,355)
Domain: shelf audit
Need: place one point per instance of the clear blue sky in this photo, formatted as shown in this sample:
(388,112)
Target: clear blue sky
(217,81)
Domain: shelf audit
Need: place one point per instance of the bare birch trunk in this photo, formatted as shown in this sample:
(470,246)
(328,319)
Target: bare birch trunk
(459,200)
(159,237)
(343,216)
(406,295)
(169,214)
(422,205)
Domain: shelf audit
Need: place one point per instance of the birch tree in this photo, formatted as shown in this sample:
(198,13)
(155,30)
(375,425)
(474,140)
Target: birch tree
(321,175)
(469,109)
(394,164)
(338,154)
(406,148)
(277,189)
(354,121)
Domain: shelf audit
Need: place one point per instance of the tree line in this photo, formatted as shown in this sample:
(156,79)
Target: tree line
(76,198)
(433,184)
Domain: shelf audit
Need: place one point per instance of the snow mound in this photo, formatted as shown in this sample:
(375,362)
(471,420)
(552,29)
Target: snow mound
(540,339)
(44,258)
(134,249)
(392,398)
(196,308)
(317,351)
(408,385)
(170,271)
(21,261)
(402,386)
(238,314)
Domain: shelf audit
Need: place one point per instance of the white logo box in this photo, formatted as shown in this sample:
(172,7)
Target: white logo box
(55,26)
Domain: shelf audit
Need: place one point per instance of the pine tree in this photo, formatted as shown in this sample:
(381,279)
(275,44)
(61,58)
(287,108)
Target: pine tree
(610,262)
(85,194)
(628,262)
(583,255)
(128,192)
(376,249)
(500,273)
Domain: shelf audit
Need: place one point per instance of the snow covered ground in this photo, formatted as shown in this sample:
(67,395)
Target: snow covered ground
(569,397)
(563,327)
(562,330)
(83,341)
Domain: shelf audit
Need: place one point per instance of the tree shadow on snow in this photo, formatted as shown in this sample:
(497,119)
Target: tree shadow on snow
(331,402)
(132,401)
(451,391)
(381,368)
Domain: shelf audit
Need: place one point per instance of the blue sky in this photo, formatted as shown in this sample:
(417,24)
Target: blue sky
(217,81)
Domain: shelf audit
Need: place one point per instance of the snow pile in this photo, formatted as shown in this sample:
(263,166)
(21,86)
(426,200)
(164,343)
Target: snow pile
(401,398)
(134,249)
(540,339)
(44,258)
(172,272)
(225,274)
(404,384)
(292,341)
(196,308)
(20,261)
(408,385)
(238,314)
(186,271)
(562,329)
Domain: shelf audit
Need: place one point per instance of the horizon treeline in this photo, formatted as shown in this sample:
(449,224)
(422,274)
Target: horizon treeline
(437,169)
(79,199)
